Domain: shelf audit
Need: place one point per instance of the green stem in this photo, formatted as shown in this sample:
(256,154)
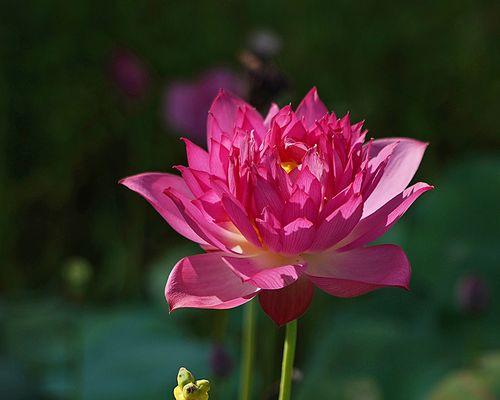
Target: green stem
(288,356)
(247,344)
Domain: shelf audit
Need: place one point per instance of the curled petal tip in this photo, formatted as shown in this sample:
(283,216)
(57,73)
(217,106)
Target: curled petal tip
(127,181)
(172,308)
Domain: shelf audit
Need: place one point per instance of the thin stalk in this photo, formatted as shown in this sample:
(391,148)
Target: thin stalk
(287,364)
(248,344)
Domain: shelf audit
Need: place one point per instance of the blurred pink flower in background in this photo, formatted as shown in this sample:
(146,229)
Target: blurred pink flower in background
(186,104)
(221,361)
(282,204)
(473,294)
(129,73)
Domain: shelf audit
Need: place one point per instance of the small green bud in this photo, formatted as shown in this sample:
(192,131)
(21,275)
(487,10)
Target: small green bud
(203,385)
(192,392)
(184,377)
(178,393)
(188,389)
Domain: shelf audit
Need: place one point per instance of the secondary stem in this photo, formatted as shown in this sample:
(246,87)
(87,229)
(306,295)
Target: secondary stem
(248,350)
(288,356)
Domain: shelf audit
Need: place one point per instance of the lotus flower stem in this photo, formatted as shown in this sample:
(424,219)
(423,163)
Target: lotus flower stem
(287,364)
(248,344)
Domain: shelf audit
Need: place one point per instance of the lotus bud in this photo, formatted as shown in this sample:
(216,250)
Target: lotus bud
(178,393)
(189,389)
(193,392)
(184,377)
(203,385)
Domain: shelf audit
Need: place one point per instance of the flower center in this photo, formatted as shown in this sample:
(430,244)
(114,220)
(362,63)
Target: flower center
(289,166)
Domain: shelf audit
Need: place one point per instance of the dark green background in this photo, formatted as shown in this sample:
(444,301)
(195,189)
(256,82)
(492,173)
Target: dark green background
(428,70)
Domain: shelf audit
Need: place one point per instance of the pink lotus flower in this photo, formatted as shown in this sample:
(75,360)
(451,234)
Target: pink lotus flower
(282,204)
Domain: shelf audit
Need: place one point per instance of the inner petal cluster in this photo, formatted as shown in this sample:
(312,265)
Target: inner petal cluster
(282,181)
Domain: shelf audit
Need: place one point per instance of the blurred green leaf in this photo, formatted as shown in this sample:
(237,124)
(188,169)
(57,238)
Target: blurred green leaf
(121,353)
(462,386)
(136,354)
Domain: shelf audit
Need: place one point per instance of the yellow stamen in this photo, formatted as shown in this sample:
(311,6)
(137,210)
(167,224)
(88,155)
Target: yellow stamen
(289,166)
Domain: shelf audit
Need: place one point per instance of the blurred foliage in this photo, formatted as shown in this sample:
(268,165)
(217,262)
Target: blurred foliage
(65,352)
(84,261)
(480,383)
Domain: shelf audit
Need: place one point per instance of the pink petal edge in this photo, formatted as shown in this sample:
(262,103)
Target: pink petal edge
(289,303)
(403,163)
(205,281)
(151,185)
(267,271)
(358,271)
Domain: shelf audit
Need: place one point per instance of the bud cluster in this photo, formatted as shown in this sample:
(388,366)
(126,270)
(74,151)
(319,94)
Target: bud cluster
(190,389)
